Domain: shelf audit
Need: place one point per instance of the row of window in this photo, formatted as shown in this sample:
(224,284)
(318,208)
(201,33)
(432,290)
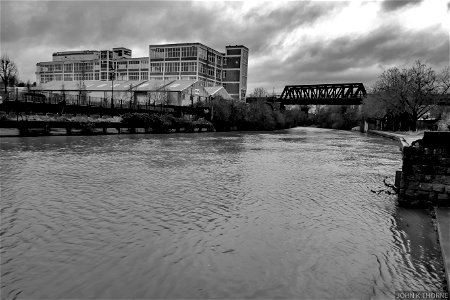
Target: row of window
(104,54)
(174,78)
(90,76)
(173,52)
(88,66)
(80,67)
(175,67)
(183,52)
(155,67)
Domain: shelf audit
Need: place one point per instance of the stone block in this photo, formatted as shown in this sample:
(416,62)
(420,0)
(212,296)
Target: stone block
(422,186)
(423,195)
(444,162)
(445,179)
(440,170)
(440,188)
(433,195)
(410,193)
(414,185)
(417,169)
(443,196)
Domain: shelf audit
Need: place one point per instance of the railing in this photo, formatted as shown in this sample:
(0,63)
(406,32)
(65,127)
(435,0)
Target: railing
(33,102)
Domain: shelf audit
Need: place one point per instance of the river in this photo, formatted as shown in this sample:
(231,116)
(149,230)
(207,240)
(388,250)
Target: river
(299,213)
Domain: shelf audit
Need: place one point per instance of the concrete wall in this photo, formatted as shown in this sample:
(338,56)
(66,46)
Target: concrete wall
(425,177)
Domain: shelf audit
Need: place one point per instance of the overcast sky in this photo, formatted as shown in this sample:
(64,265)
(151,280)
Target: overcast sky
(296,42)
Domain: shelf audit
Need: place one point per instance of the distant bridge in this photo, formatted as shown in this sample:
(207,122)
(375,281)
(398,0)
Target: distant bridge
(323,94)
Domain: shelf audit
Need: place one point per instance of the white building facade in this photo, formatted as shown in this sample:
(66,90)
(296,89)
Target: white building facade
(183,61)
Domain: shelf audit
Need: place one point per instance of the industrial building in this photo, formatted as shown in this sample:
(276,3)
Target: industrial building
(150,92)
(167,62)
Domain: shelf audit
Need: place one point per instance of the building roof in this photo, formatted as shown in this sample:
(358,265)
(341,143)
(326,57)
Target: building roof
(184,45)
(213,89)
(217,90)
(180,85)
(153,85)
(123,86)
(236,46)
(76,52)
(90,85)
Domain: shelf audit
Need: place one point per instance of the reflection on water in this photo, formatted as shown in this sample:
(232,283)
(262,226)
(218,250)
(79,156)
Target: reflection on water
(214,215)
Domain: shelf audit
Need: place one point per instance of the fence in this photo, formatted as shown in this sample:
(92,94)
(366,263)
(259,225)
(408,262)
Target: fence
(47,102)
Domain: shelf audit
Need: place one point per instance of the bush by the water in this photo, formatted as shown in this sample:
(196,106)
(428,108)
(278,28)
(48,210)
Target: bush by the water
(338,117)
(159,123)
(236,115)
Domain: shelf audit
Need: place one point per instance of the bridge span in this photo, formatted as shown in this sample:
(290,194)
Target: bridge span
(323,94)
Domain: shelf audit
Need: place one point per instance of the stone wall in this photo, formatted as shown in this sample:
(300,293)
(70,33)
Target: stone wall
(425,179)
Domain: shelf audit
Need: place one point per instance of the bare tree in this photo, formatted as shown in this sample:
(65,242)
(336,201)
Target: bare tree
(443,81)
(8,71)
(259,92)
(410,91)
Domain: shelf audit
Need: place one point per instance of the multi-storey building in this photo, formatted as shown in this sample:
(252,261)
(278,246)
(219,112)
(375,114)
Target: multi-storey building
(190,61)
(185,61)
(235,71)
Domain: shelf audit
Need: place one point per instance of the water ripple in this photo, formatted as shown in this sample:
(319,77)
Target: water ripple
(216,215)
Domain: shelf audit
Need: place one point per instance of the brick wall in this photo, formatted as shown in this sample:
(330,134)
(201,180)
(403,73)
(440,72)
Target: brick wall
(425,178)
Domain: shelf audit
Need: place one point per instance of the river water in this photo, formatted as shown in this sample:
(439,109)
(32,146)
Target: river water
(291,214)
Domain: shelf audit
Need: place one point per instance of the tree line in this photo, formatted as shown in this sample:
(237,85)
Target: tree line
(399,97)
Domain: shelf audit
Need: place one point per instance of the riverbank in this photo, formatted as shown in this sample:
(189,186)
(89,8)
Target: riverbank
(403,138)
(51,125)
(442,214)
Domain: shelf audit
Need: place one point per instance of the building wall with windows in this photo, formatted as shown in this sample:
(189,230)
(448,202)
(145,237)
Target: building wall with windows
(93,65)
(236,71)
(184,61)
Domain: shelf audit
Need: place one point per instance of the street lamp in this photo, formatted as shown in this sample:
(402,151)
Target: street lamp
(112,74)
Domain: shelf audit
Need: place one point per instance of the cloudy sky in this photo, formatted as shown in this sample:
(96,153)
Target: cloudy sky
(295,42)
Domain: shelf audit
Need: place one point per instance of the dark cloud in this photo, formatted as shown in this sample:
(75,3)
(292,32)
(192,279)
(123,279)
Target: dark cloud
(70,25)
(391,5)
(32,31)
(356,58)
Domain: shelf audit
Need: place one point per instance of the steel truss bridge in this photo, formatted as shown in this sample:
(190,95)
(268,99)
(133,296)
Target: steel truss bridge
(323,94)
